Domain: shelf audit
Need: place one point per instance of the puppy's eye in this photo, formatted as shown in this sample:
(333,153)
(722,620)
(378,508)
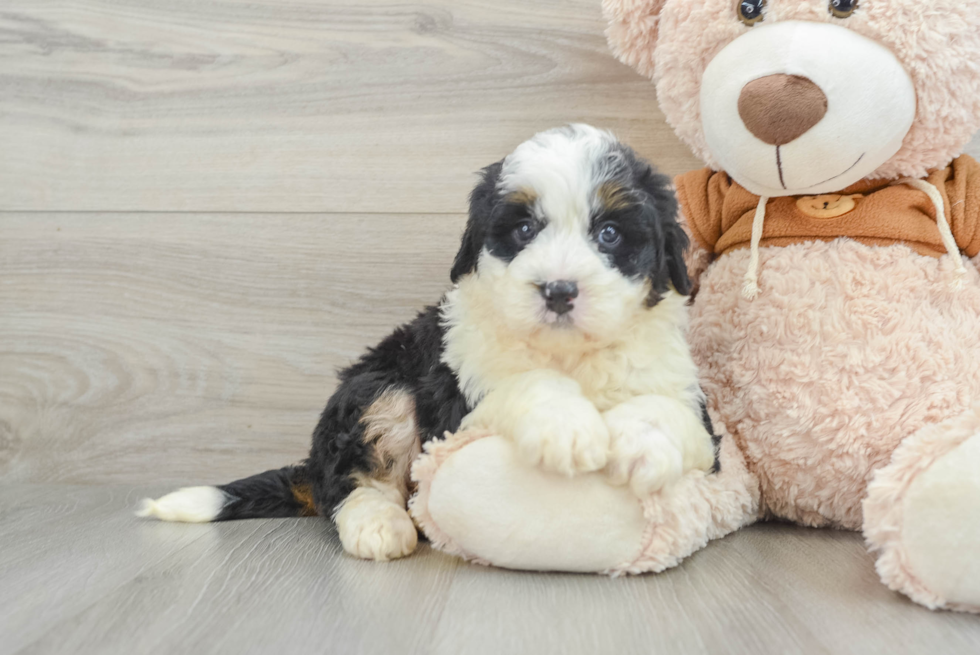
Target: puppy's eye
(609,237)
(525,232)
(843,8)
(750,11)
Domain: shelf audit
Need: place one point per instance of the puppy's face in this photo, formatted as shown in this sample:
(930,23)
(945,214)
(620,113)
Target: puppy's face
(571,237)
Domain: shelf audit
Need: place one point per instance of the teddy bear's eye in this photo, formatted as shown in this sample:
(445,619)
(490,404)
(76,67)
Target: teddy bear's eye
(843,8)
(750,11)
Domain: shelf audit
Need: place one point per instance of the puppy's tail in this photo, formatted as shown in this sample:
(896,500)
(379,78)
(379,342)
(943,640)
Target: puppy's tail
(278,493)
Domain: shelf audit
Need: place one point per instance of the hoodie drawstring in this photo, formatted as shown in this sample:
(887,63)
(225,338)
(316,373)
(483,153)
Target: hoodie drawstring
(751,287)
(944,230)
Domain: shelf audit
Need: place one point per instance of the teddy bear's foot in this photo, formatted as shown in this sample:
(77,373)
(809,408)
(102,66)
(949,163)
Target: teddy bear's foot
(477,499)
(922,514)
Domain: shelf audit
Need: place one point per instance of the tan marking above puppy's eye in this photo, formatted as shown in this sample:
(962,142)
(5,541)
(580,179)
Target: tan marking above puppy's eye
(750,11)
(843,8)
(612,196)
(522,197)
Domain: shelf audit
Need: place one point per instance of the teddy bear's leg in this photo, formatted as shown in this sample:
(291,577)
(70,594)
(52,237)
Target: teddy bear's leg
(477,499)
(922,514)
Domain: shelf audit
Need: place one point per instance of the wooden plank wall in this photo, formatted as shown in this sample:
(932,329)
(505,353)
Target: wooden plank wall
(206,206)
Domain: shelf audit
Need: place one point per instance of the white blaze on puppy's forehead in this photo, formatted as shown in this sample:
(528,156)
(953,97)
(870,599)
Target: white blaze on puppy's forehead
(562,169)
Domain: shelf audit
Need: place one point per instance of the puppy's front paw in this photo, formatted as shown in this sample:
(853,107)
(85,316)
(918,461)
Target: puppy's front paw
(643,456)
(372,527)
(566,437)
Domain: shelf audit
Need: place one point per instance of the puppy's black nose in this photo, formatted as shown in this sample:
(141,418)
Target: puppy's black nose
(559,295)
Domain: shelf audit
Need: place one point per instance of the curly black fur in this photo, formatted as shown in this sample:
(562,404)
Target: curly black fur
(407,360)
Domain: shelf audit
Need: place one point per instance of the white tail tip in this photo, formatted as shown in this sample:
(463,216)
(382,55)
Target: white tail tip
(146,508)
(187,505)
(750,290)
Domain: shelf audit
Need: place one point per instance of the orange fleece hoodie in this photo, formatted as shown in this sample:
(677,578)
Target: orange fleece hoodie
(874,212)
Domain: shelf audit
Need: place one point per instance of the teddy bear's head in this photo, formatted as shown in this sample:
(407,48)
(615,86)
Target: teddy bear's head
(794,97)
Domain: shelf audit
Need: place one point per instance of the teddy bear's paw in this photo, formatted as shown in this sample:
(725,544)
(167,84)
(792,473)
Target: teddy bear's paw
(643,456)
(373,527)
(941,532)
(566,437)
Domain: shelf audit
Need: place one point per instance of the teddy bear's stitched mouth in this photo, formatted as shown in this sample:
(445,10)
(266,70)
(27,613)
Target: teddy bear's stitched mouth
(779,166)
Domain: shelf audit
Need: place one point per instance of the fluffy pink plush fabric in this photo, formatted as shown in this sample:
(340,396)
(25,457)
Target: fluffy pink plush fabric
(675,522)
(856,364)
(884,507)
(423,473)
(685,517)
(848,350)
(672,42)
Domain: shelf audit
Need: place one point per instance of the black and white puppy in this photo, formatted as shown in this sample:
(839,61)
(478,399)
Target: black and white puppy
(565,331)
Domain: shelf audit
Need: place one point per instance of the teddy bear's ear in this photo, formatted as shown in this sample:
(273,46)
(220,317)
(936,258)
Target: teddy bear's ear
(632,31)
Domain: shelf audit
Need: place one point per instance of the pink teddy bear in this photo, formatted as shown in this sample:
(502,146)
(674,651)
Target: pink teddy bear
(836,233)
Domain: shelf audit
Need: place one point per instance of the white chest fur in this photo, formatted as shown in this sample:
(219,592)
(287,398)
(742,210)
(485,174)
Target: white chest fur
(649,355)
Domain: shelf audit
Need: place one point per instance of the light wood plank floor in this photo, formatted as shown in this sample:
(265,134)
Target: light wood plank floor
(206,207)
(80,574)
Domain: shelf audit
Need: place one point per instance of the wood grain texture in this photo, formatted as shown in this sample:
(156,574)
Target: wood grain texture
(80,574)
(62,548)
(193,348)
(765,589)
(282,105)
(99,580)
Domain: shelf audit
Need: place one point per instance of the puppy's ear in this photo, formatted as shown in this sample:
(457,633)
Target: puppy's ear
(482,201)
(676,244)
(669,268)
